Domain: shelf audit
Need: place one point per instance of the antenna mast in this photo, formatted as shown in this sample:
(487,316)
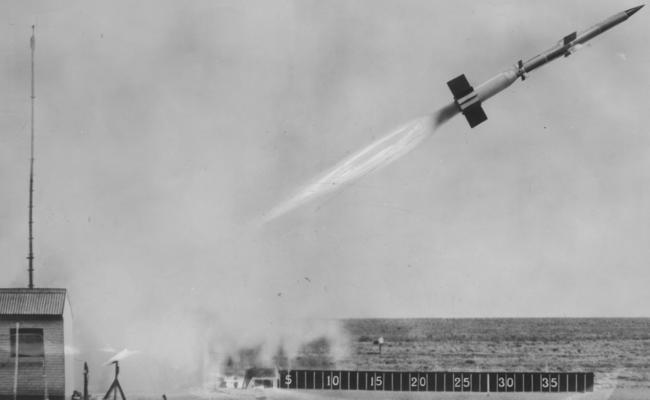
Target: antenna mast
(30,257)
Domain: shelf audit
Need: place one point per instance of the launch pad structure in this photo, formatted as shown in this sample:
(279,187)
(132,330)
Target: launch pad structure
(115,386)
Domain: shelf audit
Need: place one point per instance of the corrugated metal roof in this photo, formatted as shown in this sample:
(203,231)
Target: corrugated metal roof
(39,301)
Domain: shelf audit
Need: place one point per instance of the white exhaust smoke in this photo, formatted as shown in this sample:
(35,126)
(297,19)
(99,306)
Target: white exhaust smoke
(377,155)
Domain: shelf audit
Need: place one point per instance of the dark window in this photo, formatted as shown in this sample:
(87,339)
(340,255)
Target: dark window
(30,342)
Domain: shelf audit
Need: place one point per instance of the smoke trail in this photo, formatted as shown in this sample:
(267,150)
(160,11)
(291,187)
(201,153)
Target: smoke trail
(373,157)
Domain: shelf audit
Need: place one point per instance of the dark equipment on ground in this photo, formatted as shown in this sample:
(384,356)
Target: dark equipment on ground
(115,386)
(379,342)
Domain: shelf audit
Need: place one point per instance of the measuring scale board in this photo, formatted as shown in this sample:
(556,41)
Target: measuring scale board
(485,382)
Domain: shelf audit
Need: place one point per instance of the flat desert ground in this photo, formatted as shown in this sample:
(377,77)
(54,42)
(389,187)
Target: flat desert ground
(617,350)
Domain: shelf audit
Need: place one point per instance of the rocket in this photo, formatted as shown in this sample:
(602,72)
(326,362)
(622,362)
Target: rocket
(469,99)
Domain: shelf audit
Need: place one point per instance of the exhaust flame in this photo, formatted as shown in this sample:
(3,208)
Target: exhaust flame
(371,158)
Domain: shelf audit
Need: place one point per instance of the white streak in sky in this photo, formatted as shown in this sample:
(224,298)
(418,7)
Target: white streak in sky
(371,158)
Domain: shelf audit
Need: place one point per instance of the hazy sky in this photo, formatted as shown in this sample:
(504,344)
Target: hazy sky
(166,130)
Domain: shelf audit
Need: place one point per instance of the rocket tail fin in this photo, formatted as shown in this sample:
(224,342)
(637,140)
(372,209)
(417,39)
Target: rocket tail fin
(460,88)
(475,114)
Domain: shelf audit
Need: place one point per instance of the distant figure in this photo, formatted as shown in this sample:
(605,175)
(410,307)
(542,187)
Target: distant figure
(379,342)
(164,397)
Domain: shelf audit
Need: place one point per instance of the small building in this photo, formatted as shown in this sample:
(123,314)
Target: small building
(35,331)
(260,377)
(230,382)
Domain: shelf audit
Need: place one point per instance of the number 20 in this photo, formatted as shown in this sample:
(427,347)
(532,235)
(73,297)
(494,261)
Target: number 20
(415,382)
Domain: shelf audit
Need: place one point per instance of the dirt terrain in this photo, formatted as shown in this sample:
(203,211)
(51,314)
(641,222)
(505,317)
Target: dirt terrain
(616,350)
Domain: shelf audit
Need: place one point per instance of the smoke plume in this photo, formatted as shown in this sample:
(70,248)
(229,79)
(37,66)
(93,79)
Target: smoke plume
(379,154)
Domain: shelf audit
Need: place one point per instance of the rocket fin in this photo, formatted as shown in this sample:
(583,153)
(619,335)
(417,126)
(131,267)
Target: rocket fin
(570,38)
(460,87)
(475,114)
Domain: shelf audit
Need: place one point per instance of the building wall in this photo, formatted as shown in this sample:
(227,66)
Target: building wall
(72,368)
(31,383)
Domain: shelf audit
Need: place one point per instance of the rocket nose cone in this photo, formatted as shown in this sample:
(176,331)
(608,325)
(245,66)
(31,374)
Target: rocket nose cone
(633,10)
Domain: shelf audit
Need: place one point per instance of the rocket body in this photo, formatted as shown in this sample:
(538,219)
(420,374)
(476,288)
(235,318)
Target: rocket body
(488,89)
(567,45)
(469,99)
